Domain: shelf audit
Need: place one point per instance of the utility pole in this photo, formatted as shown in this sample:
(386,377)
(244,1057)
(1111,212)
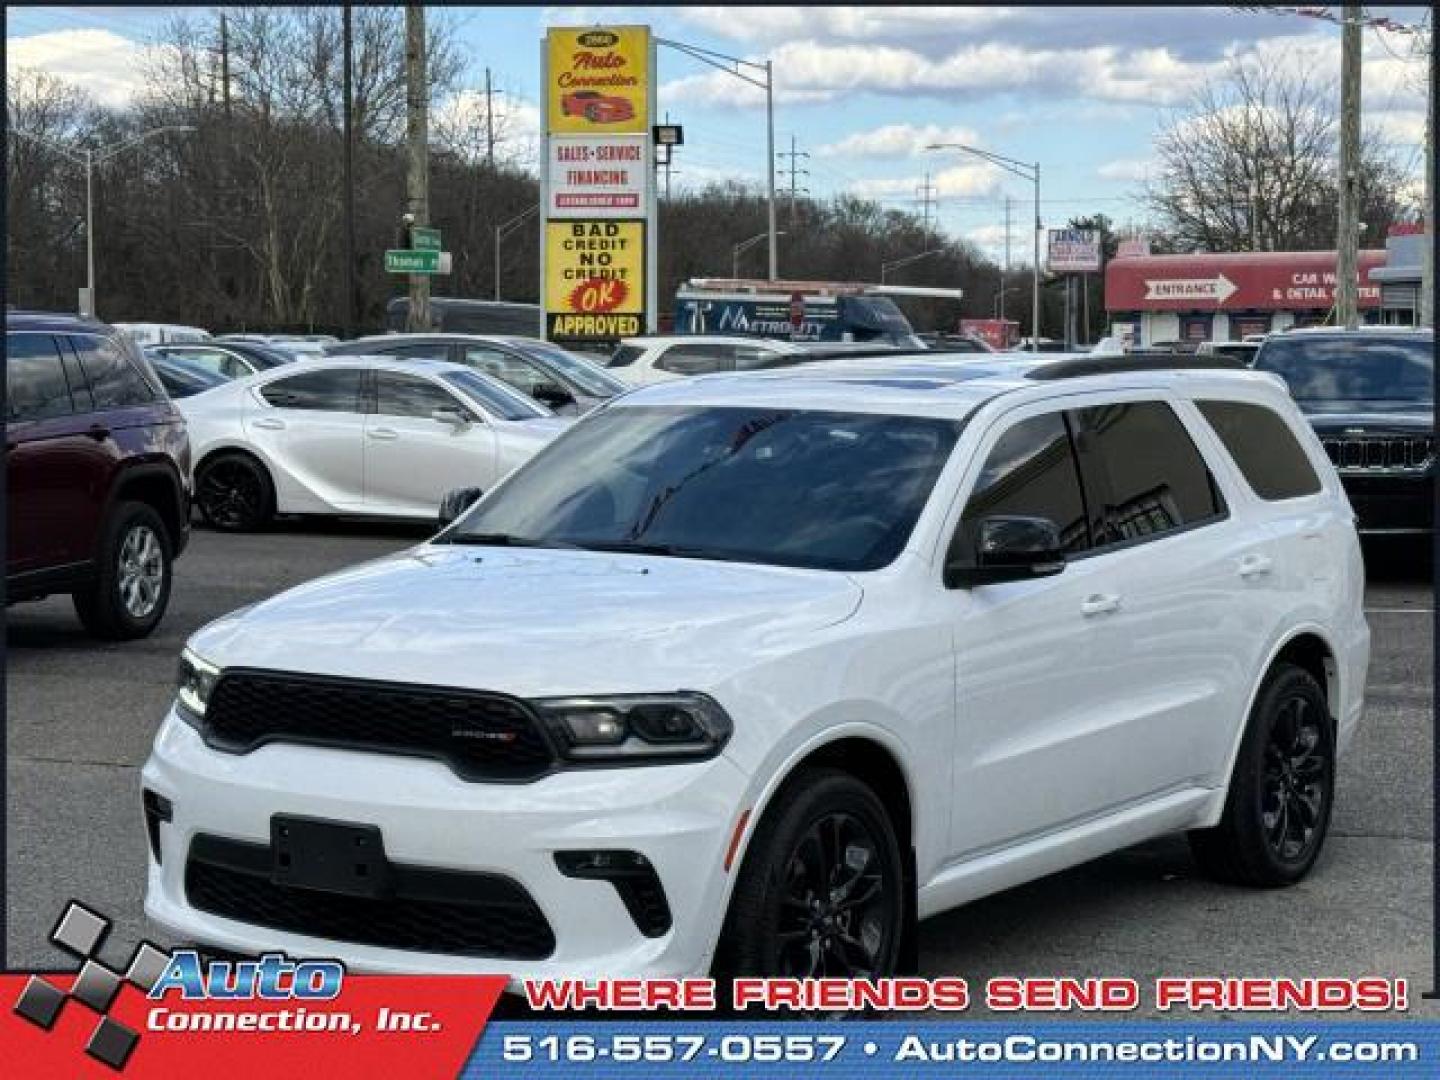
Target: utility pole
(770,178)
(225,64)
(417,180)
(1426,314)
(795,173)
(489,122)
(925,196)
(1005,274)
(348,309)
(1348,235)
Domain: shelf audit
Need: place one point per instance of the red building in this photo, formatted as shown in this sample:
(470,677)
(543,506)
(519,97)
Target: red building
(1224,297)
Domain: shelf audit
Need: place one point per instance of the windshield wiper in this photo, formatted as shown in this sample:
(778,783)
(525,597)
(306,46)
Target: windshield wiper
(639,547)
(507,540)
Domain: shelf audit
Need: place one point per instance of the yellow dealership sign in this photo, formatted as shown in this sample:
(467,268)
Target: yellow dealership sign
(598,80)
(594,279)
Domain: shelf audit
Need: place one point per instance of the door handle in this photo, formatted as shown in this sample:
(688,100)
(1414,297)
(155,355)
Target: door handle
(98,432)
(383,433)
(1254,566)
(270,424)
(1100,604)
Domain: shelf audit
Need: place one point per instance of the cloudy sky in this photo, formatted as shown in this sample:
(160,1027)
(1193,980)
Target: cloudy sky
(863,90)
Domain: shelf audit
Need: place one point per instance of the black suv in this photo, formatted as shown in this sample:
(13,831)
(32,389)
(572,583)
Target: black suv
(96,468)
(1369,394)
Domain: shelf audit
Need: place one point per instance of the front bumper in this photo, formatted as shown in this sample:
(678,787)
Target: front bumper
(1397,503)
(679,816)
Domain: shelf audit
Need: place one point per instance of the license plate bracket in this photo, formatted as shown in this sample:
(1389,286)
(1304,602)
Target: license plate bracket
(328,856)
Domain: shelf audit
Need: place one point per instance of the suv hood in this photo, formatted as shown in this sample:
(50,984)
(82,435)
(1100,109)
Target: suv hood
(1376,415)
(533,622)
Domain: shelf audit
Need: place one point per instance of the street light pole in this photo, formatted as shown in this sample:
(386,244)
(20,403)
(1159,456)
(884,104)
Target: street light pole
(1026,171)
(745,245)
(504,229)
(731,65)
(770,163)
(89,158)
(89,233)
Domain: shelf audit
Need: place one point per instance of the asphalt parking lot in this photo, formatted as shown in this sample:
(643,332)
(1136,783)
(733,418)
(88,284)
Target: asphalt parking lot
(81,716)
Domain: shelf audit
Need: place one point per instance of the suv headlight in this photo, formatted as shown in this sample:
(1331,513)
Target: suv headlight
(636,728)
(194,683)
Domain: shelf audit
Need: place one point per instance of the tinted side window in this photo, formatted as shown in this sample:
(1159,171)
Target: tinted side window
(1149,478)
(35,386)
(325,391)
(1031,472)
(1262,444)
(697,359)
(114,381)
(405,395)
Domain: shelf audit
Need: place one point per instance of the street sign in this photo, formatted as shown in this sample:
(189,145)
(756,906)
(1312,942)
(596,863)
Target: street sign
(424,239)
(417,262)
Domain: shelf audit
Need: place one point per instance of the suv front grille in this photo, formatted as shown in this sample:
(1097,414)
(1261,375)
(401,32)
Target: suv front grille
(481,736)
(1406,453)
(435,911)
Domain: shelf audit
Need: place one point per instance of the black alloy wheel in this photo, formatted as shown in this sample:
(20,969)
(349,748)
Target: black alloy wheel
(234,493)
(834,907)
(1295,792)
(1277,811)
(821,890)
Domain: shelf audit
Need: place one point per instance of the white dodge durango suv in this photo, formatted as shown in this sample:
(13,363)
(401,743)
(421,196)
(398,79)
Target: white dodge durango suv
(746,674)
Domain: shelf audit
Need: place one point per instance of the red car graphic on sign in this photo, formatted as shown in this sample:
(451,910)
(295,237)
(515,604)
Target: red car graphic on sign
(596,107)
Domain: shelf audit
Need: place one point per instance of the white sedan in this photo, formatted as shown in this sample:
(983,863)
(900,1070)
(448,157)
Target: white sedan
(359,436)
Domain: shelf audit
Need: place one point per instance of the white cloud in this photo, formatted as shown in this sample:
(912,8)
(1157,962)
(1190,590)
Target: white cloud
(781,23)
(980,178)
(895,140)
(814,71)
(106,65)
(1131,169)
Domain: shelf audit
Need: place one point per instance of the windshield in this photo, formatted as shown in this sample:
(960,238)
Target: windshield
(589,378)
(828,490)
(497,398)
(1352,368)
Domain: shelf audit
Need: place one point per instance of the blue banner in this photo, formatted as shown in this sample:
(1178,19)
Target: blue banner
(876,1050)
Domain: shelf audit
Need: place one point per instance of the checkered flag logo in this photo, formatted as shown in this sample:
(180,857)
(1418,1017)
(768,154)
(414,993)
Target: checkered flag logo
(80,932)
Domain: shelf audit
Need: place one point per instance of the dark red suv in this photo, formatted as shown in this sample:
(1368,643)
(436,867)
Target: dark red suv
(97,466)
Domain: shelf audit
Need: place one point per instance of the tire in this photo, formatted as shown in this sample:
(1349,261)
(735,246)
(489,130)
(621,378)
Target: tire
(128,597)
(592,113)
(235,493)
(1277,812)
(771,928)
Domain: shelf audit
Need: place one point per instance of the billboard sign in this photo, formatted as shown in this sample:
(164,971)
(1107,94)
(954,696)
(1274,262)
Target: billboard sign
(598,80)
(594,279)
(597,176)
(1073,251)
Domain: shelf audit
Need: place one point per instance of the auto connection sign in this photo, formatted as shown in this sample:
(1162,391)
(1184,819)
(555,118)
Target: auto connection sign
(597,253)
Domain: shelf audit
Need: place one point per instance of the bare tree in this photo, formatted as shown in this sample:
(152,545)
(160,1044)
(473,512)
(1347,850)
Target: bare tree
(1250,161)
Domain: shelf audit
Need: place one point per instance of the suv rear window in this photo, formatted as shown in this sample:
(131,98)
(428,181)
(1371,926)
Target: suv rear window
(1264,447)
(1149,478)
(115,381)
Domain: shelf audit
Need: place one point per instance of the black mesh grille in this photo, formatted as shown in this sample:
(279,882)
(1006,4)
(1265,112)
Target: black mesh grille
(1405,452)
(481,736)
(435,911)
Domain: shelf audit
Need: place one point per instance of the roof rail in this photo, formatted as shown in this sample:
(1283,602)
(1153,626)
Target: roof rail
(1105,365)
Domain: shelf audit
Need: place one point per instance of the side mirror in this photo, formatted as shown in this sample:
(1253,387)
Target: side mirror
(552,396)
(456,502)
(1008,548)
(454,417)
